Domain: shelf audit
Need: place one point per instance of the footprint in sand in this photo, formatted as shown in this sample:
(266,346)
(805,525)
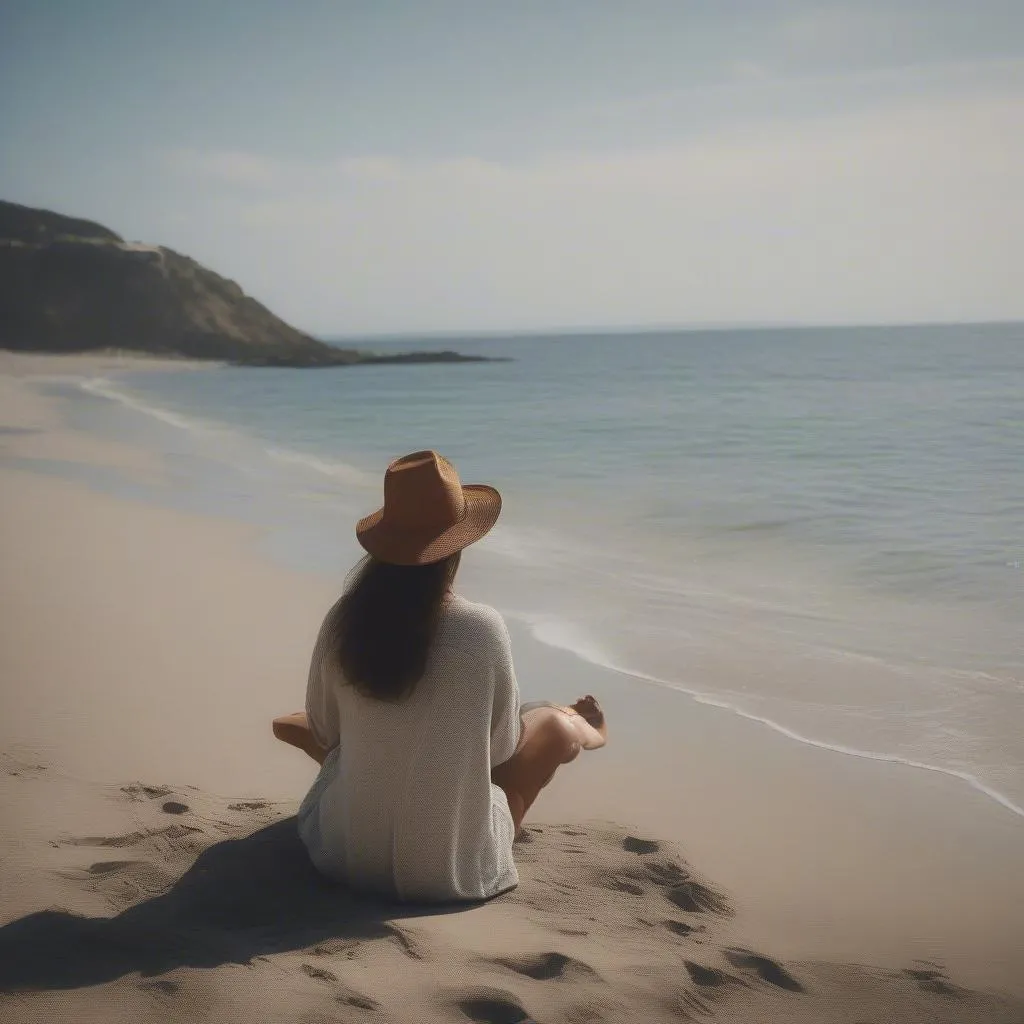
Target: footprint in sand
(546,966)
(766,969)
(249,805)
(319,972)
(668,873)
(21,768)
(682,889)
(631,844)
(122,883)
(707,977)
(171,832)
(493,1006)
(348,996)
(692,1007)
(141,792)
(163,986)
(361,1002)
(931,979)
(696,898)
(337,947)
(624,885)
(406,942)
(104,867)
(130,839)
(923,975)
(679,927)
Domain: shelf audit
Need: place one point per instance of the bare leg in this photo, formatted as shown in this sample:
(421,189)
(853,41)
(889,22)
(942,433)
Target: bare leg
(550,737)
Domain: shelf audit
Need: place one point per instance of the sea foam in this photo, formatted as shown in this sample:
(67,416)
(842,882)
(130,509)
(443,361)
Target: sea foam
(573,638)
(103,387)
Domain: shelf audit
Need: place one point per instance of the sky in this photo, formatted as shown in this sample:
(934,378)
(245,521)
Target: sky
(379,168)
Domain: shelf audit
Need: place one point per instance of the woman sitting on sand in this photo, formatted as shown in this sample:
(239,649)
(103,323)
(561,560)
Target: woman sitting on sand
(428,761)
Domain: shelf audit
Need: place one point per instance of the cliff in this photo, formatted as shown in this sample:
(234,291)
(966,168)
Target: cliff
(69,285)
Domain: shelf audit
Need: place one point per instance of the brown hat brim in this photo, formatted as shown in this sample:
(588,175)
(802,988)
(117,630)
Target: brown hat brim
(405,547)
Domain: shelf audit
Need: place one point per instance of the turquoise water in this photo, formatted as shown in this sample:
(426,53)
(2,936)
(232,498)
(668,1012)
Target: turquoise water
(819,528)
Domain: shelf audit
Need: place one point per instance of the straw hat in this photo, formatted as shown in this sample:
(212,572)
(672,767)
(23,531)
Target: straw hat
(428,512)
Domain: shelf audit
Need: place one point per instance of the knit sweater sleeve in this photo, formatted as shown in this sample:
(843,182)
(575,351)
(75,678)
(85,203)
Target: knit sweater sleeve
(505,721)
(321,701)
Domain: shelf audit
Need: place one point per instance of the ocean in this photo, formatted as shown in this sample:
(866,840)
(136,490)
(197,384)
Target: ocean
(818,528)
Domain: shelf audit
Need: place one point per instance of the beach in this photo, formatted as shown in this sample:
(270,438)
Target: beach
(701,866)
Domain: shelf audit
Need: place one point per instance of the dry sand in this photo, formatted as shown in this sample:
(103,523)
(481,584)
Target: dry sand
(150,870)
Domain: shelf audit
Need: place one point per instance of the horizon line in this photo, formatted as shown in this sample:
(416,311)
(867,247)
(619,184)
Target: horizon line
(685,328)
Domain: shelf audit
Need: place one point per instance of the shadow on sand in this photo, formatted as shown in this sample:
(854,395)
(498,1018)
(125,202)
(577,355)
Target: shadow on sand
(241,898)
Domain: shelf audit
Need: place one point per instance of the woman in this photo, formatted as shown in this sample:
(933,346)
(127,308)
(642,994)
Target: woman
(428,761)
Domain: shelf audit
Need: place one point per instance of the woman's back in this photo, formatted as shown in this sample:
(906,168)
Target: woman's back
(413,712)
(404,805)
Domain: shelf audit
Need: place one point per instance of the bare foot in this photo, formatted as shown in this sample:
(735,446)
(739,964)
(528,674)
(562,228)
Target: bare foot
(589,709)
(594,733)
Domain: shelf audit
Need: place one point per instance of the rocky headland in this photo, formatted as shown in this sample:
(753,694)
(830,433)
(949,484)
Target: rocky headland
(70,285)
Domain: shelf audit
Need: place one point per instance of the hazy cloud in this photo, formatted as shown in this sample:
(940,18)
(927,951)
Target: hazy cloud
(898,210)
(423,166)
(228,167)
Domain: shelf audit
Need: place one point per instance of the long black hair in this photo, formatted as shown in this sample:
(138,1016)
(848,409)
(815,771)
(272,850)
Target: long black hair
(382,627)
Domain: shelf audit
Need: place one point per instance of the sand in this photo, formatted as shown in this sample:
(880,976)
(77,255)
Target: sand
(698,867)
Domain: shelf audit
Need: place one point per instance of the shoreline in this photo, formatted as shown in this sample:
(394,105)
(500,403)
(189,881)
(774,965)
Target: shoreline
(31,365)
(821,850)
(969,740)
(921,866)
(699,697)
(39,364)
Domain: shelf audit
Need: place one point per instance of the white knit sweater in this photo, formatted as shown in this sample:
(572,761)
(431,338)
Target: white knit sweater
(404,805)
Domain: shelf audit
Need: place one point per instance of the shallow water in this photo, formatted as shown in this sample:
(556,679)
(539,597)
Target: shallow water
(820,529)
